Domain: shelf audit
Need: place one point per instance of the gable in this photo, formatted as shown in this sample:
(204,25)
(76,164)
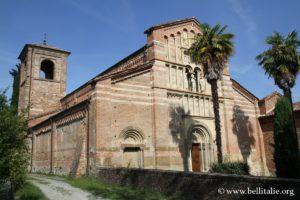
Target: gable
(246,94)
(136,58)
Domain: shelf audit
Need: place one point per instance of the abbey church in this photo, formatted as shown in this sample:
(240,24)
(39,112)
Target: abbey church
(152,110)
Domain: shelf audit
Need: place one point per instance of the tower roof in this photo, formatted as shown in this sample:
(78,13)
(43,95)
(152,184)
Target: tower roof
(41,46)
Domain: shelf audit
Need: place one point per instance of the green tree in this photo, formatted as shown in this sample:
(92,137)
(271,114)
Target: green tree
(212,49)
(15,73)
(282,61)
(286,153)
(13,149)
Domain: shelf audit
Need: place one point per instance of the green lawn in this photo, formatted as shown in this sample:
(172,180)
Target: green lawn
(114,192)
(30,192)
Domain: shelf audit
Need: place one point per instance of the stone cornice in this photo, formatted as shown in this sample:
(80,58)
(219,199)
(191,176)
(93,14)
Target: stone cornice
(70,118)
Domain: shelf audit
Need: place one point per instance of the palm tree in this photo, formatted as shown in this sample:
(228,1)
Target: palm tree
(282,61)
(212,49)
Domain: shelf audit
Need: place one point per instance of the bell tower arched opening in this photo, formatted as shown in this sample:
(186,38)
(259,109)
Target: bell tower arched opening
(43,78)
(47,70)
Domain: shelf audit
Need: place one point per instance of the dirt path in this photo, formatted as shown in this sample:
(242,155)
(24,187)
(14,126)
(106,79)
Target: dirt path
(56,189)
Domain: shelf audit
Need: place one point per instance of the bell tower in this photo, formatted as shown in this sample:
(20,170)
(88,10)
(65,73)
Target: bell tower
(42,78)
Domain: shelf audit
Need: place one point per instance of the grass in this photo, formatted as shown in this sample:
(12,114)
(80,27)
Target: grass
(114,192)
(30,192)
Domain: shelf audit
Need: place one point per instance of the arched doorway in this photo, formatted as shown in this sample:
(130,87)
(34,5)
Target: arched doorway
(201,149)
(132,144)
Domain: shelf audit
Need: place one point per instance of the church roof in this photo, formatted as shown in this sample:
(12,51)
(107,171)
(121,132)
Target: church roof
(296,107)
(42,46)
(244,90)
(122,61)
(167,24)
(271,95)
(116,65)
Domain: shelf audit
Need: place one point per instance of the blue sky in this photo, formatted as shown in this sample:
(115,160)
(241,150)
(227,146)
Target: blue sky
(100,33)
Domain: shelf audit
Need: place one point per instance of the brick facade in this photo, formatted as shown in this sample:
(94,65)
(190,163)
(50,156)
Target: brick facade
(146,111)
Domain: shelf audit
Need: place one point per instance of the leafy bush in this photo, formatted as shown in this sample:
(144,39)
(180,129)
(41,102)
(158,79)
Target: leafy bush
(13,149)
(230,168)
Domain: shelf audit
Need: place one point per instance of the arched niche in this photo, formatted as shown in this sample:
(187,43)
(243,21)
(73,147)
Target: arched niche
(132,145)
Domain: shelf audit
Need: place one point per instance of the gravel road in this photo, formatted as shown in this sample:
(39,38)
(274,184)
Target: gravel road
(56,189)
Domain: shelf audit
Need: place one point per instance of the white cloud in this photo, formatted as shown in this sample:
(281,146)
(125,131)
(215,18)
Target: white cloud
(243,15)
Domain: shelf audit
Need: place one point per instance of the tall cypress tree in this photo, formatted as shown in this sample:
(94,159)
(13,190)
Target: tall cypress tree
(15,73)
(286,154)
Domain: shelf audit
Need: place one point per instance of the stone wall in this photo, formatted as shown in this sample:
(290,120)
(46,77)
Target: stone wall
(190,186)
(245,137)
(123,119)
(59,144)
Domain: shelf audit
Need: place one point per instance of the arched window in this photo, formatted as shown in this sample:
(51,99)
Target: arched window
(189,76)
(185,37)
(192,37)
(166,39)
(179,44)
(167,46)
(198,76)
(47,70)
(172,47)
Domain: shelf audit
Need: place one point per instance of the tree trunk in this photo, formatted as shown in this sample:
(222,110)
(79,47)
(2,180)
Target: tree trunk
(215,99)
(12,191)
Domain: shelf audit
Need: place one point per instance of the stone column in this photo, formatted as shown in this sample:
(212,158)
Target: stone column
(176,68)
(202,156)
(175,46)
(32,151)
(170,76)
(54,146)
(211,148)
(183,78)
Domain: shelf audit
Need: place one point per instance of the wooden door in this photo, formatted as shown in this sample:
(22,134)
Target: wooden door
(196,158)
